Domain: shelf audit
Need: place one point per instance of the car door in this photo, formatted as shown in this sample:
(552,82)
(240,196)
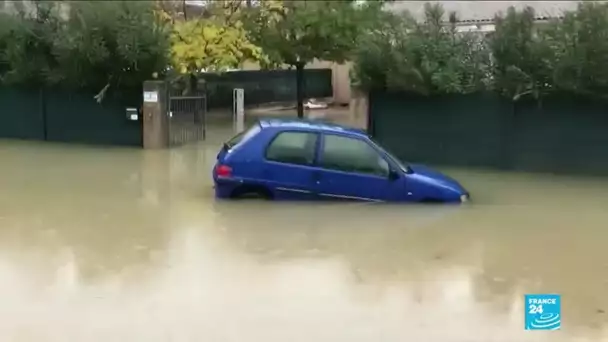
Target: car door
(351,169)
(289,164)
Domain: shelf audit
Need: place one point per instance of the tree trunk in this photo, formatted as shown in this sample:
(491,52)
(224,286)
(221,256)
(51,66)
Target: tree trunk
(300,88)
(192,85)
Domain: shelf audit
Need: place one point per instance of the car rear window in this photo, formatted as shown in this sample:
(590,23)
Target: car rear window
(243,136)
(293,148)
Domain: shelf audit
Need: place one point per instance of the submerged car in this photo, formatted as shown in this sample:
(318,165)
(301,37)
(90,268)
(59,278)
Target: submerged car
(309,160)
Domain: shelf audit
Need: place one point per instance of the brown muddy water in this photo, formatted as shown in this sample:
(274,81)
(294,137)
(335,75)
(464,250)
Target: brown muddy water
(109,244)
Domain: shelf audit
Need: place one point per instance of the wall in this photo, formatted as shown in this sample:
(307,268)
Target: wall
(563,135)
(66,116)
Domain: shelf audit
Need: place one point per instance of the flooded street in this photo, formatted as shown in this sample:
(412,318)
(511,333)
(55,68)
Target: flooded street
(112,244)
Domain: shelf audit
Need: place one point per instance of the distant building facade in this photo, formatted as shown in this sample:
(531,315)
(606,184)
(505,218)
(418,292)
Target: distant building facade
(478,16)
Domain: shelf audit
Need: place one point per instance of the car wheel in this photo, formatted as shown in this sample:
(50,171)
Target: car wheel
(247,191)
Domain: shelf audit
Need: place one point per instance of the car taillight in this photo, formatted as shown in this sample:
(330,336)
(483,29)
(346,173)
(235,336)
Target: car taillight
(223,171)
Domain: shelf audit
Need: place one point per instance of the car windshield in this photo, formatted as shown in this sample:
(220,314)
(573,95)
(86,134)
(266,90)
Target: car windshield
(402,165)
(243,136)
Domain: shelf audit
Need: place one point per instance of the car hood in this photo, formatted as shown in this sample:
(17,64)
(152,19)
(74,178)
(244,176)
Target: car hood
(436,177)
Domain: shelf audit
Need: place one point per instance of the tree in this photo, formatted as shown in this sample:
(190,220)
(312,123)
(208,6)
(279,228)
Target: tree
(579,49)
(427,58)
(25,43)
(297,32)
(214,42)
(84,45)
(375,47)
(522,59)
(106,44)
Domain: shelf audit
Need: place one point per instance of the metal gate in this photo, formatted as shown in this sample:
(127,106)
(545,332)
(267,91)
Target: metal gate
(187,114)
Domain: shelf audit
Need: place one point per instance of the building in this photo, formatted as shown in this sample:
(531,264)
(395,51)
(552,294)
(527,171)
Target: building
(479,15)
(29,7)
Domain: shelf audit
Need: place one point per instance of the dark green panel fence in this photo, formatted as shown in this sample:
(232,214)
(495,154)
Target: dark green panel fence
(564,135)
(265,86)
(77,117)
(455,130)
(21,114)
(69,116)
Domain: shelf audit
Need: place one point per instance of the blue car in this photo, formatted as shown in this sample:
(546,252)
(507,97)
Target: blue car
(309,160)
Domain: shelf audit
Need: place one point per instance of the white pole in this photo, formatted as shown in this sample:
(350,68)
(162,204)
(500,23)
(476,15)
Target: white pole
(238,109)
(234,110)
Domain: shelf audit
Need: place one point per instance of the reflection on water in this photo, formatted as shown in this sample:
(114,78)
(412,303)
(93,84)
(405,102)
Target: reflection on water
(125,245)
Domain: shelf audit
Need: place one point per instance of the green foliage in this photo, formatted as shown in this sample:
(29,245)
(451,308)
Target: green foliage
(104,44)
(25,43)
(215,42)
(109,43)
(579,50)
(425,58)
(567,55)
(297,32)
(523,60)
(92,45)
(378,48)
(523,57)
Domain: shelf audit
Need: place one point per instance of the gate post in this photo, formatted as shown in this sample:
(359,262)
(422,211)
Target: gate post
(155,121)
(359,109)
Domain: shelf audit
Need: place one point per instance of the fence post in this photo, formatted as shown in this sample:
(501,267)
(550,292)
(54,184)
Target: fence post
(155,121)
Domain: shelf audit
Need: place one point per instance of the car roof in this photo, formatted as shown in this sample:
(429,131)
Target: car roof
(310,125)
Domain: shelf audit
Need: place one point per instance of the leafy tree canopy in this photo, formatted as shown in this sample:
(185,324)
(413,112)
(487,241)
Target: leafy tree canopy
(94,45)
(297,32)
(522,57)
(577,49)
(214,41)
(428,57)
(25,45)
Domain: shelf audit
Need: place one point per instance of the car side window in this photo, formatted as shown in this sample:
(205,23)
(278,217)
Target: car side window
(293,148)
(352,155)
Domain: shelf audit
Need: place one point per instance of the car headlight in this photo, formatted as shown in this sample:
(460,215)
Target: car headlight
(464,198)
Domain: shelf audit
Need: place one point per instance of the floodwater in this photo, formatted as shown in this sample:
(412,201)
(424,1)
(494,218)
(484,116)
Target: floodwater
(112,244)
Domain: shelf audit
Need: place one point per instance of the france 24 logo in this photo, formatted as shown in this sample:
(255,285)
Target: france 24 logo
(543,312)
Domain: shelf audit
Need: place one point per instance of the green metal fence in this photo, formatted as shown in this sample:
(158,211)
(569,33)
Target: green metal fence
(21,113)
(265,86)
(563,135)
(67,116)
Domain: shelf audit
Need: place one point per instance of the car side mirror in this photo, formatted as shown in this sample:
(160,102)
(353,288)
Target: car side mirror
(393,175)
